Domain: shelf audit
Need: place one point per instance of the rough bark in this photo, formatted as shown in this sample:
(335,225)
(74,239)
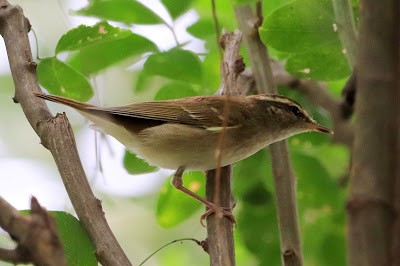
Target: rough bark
(371,212)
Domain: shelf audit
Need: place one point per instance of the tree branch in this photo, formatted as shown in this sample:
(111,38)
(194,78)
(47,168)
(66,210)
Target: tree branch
(373,218)
(56,135)
(347,29)
(218,183)
(284,179)
(36,235)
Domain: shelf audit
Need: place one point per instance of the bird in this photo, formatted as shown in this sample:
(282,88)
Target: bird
(183,134)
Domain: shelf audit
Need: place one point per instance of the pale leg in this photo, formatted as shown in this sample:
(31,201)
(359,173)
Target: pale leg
(177,182)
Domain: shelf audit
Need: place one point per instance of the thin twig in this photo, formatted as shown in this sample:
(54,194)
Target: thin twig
(216,29)
(200,243)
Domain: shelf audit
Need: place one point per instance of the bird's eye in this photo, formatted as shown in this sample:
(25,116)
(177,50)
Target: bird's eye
(295,110)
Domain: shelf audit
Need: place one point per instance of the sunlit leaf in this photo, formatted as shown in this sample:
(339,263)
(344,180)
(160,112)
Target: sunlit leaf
(135,165)
(60,79)
(126,11)
(102,45)
(175,90)
(177,8)
(202,29)
(177,64)
(243,2)
(321,64)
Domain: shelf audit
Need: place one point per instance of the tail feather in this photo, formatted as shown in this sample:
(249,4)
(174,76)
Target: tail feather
(62,100)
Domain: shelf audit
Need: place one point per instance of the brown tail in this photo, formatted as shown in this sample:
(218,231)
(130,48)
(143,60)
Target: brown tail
(59,99)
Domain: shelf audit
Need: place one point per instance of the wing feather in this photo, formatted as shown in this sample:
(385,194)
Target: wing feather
(197,111)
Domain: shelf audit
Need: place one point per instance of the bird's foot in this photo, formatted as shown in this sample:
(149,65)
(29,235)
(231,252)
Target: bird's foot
(221,211)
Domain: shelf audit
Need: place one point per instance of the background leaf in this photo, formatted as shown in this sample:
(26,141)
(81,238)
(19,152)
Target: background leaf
(177,64)
(135,165)
(173,206)
(77,245)
(102,45)
(126,11)
(176,8)
(175,90)
(60,79)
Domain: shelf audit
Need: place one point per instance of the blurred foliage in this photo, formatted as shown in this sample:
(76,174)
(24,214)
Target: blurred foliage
(300,31)
(173,206)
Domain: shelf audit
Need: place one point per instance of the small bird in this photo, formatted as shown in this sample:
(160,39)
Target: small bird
(183,134)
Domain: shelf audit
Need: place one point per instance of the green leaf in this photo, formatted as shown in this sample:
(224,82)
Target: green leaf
(135,165)
(243,2)
(226,15)
(258,228)
(202,29)
(173,206)
(336,87)
(126,11)
(74,61)
(249,172)
(175,90)
(212,71)
(306,30)
(270,6)
(176,8)
(78,248)
(321,64)
(83,36)
(316,187)
(176,64)
(300,26)
(102,45)
(60,79)
(326,154)
(333,243)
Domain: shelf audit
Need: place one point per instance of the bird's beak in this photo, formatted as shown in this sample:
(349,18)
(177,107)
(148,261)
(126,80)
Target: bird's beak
(319,128)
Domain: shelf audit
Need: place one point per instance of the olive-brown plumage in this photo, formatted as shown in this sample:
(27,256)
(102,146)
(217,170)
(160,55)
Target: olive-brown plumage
(184,133)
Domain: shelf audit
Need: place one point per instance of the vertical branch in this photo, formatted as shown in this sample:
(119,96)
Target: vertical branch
(216,28)
(218,183)
(347,29)
(284,179)
(219,230)
(56,135)
(376,154)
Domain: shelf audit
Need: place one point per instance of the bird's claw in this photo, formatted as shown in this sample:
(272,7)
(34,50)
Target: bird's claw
(227,212)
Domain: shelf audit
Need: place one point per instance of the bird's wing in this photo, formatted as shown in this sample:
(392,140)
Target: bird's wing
(203,112)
